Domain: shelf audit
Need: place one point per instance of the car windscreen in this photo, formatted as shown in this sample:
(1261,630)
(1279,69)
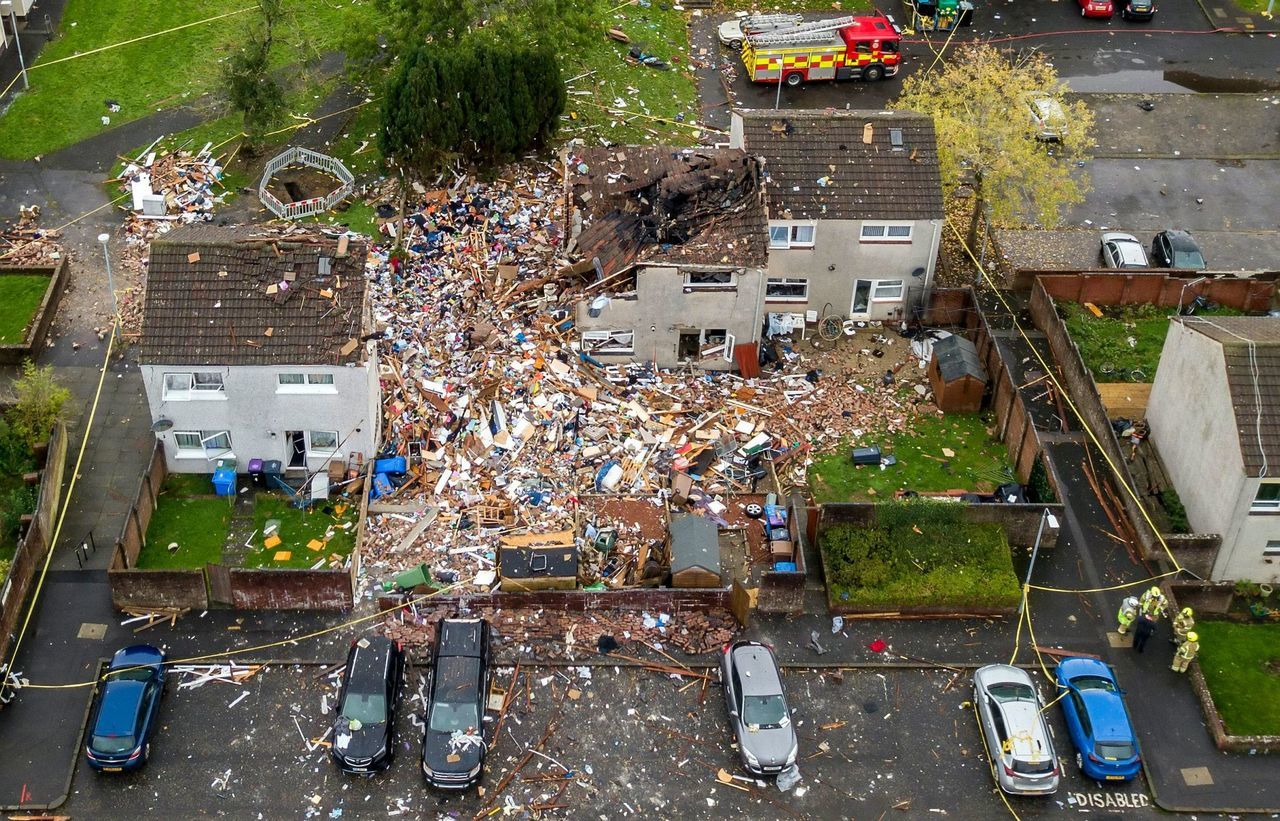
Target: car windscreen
(1093,683)
(448,718)
(1188,259)
(111,744)
(1012,691)
(131,674)
(1113,749)
(765,711)
(1041,766)
(366,708)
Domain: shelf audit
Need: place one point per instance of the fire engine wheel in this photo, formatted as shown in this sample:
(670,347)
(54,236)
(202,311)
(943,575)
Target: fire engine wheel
(873,74)
(794,79)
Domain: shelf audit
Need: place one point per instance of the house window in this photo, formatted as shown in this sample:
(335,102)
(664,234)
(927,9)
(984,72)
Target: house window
(199,385)
(791,236)
(1268,498)
(886,232)
(322,442)
(787,289)
(1272,548)
(205,444)
(887,290)
(708,279)
(305,383)
(608,342)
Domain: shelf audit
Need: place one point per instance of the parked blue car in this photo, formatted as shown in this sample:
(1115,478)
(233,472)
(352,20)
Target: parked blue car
(124,714)
(1098,721)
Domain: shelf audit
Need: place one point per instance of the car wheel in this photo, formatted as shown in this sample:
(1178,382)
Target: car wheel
(736,45)
(873,74)
(793,79)
(754,511)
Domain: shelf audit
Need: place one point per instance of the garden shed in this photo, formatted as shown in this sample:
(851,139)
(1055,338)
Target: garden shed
(695,552)
(957,376)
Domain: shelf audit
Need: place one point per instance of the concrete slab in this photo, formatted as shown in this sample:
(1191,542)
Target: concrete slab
(92,631)
(1197,776)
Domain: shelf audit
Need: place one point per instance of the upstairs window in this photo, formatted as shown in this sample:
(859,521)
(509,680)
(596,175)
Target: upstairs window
(719,280)
(791,235)
(198,385)
(1268,498)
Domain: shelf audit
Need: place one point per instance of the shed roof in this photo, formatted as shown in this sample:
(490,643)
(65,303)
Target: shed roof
(1251,354)
(820,164)
(694,543)
(957,358)
(207,300)
(653,203)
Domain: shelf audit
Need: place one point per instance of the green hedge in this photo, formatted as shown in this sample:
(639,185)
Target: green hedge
(920,553)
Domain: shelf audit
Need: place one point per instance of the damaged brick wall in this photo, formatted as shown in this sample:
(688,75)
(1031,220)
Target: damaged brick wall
(1249,295)
(287,589)
(157,588)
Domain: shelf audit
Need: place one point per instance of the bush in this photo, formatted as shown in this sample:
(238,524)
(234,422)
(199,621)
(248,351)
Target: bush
(920,553)
(1177,513)
(18,502)
(38,404)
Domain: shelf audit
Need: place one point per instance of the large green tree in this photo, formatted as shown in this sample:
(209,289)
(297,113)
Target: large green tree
(478,101)
(979,101)
(246,75)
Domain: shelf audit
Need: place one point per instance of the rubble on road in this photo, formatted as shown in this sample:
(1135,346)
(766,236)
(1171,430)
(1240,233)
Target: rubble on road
(26,243)
(507,428)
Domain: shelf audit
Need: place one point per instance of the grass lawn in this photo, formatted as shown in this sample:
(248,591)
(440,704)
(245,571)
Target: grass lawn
(1241,664)
(919,553)
(1124,344)
(980,463)
(67,100)
(298,527)
(637,91)
(21,294)
(198,524)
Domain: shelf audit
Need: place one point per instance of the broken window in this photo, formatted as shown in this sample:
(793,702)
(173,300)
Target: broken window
(608,342)
(1268,498)
(323,441)
(795,235)
(216,443)
(708,279)
(787,289)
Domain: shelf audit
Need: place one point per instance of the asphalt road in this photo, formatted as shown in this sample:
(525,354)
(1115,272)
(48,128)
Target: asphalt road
(640,744)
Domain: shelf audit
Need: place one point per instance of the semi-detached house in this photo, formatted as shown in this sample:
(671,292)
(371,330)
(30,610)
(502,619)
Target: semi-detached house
(253,347)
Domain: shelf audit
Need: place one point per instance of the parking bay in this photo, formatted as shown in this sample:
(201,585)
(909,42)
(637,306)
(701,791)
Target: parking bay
(637,742)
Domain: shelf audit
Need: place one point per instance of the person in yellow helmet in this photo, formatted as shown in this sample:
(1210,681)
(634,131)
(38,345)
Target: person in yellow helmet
(1183,623)
(1186,652)
(1153,603)
(1128,612)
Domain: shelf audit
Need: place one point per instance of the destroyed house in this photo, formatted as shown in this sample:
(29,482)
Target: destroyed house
(675,242)
(1214,414)
(254,347)
(854,207)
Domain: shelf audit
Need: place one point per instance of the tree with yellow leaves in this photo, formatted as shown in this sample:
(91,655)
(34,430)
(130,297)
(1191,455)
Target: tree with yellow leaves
(982,102)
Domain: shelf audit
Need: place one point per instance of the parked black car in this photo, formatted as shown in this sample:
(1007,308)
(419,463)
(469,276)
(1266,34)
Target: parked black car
(1176,249)
(453,745)
(124,712)
(364,733)
(1137,9)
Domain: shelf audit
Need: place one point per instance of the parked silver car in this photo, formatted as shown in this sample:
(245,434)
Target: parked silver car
(733,32)
(1123,251)
(757,708)
(1048,120)
(1017,737)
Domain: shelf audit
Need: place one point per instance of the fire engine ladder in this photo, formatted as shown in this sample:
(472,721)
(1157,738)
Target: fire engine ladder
(769,21)
(802,33)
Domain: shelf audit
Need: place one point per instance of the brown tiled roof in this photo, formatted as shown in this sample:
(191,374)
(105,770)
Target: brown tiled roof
(1255,394)
(662,204)
(818,167)
(214,309)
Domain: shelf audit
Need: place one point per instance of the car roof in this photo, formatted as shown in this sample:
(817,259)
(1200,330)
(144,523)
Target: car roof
(1107,715)
(757,671)
(1131,250)
(1181,240)
(136,655)
(998,673)
(368,663)
(1080,666)
(456,676)
(119,708)
(1022,718)
(461,637)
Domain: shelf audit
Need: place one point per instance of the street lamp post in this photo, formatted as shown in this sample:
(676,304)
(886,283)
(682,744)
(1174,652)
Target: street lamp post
(6,7)
(115,309)
(1052,521)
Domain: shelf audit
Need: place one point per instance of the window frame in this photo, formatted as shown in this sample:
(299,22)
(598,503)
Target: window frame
(313,450)
(731,285)
(881,232)
(1259,505)
(878,284)
(784,282)
(606,337)
(195,388)
(202,450)
(309,383)
(177,442)
(1271,548)
(793,242)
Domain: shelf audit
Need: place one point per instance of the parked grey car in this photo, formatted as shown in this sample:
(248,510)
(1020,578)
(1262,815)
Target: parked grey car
(757,708)
(1123,251)
(1016,734)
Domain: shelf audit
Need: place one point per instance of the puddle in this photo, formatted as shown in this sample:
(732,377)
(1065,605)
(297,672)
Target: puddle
(1221,85)
(1166,82)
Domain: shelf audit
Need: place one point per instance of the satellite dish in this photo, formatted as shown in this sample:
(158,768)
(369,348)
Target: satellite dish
(161,425)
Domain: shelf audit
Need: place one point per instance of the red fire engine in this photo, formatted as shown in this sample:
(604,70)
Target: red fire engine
(842,48)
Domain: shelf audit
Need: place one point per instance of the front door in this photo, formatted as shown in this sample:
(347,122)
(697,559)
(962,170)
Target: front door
(861,307)
(297,440)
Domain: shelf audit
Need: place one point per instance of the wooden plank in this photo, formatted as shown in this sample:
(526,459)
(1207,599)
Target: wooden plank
(1070,654)
(1127,399)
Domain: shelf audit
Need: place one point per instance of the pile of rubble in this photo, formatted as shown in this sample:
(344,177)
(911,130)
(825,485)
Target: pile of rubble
(542,634)
(26,243)
(507,427)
